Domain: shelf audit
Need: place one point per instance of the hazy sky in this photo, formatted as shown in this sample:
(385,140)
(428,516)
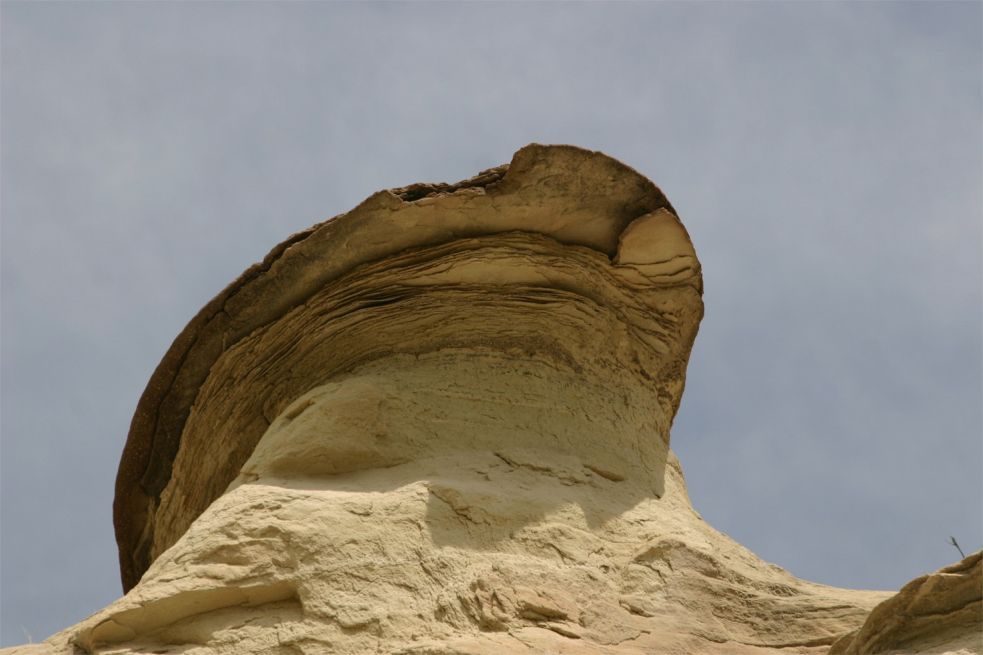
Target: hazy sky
(826,159)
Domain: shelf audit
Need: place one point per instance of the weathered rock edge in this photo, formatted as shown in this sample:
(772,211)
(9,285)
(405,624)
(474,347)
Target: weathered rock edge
(302,553)
(575,196)
(935,613)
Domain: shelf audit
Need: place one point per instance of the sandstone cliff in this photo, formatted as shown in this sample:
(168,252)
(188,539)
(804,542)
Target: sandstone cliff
(439,423)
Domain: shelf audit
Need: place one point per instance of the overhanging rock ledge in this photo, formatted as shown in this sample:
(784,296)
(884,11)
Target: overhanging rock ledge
(439,424)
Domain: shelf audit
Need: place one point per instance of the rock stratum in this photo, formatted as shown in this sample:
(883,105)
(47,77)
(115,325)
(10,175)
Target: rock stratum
(439,424)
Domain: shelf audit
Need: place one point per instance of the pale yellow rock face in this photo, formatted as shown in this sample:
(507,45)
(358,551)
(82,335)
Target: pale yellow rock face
(937,613)
(469,552)
(439,424)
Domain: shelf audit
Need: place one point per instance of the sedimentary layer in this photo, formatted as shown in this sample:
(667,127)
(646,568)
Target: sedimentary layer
(938,613)
(464,553)
(439,425)
(559,195)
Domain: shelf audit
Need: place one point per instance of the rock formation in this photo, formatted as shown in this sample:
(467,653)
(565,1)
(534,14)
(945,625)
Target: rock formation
(439,424)
(937,613)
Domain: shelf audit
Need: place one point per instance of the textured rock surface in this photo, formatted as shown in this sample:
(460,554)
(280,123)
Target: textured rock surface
(937,613)
(465,553)
(440,424)
(190,434)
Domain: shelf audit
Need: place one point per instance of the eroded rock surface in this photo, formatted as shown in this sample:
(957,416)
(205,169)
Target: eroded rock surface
(937,613)
(529,247)
(439,424)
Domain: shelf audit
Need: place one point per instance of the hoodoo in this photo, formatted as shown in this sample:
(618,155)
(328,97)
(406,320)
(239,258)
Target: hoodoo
(439,424)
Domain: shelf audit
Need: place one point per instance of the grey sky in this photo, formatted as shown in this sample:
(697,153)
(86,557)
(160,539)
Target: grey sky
(825,157)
